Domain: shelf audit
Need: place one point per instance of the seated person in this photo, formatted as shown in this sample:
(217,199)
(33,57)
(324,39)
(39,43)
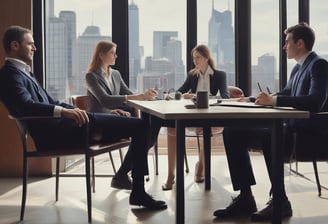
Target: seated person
(108,93)
(305,90)
(23,96)
(204,77)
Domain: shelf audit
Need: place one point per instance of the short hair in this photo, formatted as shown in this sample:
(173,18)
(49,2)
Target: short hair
(13,33)
(302,31)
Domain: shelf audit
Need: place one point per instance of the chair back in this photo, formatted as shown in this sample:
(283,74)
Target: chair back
(235,92)
(80,101)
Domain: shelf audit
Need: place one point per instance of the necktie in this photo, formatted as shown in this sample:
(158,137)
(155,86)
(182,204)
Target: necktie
(295,79)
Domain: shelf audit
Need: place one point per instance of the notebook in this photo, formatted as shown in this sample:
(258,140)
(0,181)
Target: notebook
(235,103)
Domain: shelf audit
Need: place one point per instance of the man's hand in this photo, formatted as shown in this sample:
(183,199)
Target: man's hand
(80,116)
(264,99)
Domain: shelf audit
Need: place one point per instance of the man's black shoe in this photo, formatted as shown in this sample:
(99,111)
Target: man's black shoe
(147,201)
(239,207)
(121,182)
(266,213)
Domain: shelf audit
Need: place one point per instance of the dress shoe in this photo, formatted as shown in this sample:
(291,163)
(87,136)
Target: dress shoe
(121,182)
(241,206)
(147,201)
(266,213)
(199,175)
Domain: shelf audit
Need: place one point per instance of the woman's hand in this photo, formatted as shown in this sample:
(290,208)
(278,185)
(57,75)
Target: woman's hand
(149,94)
(188,95)
(121,112)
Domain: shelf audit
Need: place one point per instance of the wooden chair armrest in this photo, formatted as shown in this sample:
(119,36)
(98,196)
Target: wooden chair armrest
(26,118)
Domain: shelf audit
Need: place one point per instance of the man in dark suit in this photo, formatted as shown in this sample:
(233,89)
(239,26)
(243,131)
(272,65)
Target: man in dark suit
(305,90)
(23,96)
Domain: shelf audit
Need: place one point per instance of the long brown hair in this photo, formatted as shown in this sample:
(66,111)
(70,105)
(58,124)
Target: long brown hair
(204,51)
(102,48)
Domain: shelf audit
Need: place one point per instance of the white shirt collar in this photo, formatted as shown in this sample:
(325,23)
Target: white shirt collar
(302,59)
(21,65)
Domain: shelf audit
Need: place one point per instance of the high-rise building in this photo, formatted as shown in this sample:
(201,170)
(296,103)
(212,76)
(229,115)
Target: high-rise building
(57,55)
(221,41)
(160,42)
(69,18)
(134,46)
(265,74)
(86,44)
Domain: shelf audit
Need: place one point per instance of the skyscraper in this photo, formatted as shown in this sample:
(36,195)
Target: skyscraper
(221,41)
(86,44)
(134,48)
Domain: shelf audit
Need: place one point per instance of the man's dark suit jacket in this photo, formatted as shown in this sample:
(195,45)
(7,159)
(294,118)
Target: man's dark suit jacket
(24,97)
(309,90)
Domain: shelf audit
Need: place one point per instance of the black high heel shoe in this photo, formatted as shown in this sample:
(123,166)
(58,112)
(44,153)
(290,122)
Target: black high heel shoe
(146,201)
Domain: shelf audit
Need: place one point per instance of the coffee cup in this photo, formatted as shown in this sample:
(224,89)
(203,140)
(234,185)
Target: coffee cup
(202,99)
(177,95)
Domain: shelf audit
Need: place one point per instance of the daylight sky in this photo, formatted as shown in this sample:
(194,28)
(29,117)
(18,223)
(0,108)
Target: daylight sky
(169,15)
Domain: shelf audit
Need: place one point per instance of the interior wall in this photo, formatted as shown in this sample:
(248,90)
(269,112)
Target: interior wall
(15,12)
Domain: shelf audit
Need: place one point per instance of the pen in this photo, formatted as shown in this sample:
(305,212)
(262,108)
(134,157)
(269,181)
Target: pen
(258,84)
(268,90)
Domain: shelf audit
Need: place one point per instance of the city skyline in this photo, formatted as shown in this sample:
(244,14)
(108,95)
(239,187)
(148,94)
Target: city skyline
(98,13)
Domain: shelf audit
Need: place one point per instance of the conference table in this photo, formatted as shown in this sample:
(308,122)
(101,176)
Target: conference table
(238,114)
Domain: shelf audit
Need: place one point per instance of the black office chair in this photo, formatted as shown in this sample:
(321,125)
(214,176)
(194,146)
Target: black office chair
(311,147)
(89,151)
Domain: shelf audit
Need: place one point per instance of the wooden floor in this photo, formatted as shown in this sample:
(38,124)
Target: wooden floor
(112,206)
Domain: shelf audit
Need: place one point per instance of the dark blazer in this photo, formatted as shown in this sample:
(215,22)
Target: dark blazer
(218,82)
(24,97)
(101,98)
(309,91)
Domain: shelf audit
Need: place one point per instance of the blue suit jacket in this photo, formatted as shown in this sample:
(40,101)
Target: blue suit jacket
(218,82)
(307,89)
(24,97)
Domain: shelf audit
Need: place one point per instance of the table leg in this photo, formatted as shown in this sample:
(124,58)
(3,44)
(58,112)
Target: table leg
(180,197)
(277,169)
(207,156)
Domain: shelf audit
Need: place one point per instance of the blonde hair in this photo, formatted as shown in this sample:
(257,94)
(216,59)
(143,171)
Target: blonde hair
(102,48)
(204,51)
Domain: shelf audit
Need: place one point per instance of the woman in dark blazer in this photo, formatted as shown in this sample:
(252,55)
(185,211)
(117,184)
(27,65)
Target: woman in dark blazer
(203,77)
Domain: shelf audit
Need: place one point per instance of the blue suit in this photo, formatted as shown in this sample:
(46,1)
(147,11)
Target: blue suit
(307,89)
(23,96)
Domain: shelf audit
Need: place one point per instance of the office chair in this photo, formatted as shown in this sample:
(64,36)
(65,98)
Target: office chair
(81,101)
(89,151)
(311,147)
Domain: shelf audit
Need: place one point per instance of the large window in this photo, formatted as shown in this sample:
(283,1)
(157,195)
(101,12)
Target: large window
(215,27)
(318,21)
(265,44)
(73,29)
(156,44)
